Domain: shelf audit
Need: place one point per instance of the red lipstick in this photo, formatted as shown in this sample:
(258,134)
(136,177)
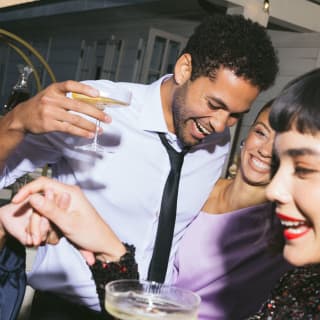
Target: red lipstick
(293,228)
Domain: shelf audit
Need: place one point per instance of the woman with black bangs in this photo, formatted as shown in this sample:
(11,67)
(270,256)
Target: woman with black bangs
(295,190)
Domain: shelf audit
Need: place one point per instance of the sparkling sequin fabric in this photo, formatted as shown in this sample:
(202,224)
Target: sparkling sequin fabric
(296,296)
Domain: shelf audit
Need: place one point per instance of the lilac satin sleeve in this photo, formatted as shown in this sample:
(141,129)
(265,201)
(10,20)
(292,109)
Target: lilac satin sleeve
(226,259)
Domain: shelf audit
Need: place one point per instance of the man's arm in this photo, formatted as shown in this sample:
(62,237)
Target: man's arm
(49,111)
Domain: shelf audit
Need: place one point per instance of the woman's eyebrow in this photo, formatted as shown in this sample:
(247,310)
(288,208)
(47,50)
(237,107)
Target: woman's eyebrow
(296,152)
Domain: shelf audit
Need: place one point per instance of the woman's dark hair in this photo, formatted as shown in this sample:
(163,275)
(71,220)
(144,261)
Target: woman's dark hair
(298,105)
(236,43)
(265,107)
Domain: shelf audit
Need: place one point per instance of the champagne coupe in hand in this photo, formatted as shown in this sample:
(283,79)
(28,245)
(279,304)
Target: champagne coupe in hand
(109,97)
(147,300)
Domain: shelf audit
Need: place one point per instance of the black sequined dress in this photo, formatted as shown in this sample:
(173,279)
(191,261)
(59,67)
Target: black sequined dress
(296,296)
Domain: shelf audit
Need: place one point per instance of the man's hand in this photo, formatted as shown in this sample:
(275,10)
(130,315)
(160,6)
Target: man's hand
(49,111)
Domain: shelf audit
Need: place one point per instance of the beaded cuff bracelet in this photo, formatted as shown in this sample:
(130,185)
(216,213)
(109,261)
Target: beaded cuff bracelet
(104,272)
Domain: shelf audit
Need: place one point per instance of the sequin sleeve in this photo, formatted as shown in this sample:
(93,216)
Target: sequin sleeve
(296,296)
(104,272)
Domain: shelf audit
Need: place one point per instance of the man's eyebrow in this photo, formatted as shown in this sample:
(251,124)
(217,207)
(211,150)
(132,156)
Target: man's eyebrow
(223,105)
(218,101)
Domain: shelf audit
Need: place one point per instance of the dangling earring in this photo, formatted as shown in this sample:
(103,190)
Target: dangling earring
(175,80)
(242,143)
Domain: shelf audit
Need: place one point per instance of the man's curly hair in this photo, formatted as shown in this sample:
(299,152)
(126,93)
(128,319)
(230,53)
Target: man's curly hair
(236,43)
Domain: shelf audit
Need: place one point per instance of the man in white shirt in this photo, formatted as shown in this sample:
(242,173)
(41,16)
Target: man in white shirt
(227,62)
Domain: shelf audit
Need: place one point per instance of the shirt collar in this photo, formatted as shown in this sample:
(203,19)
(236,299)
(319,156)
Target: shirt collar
(152,118)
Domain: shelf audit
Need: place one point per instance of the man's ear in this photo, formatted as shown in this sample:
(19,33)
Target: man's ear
(182,69)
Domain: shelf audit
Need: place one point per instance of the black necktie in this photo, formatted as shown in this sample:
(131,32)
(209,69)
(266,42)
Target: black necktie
(160,257)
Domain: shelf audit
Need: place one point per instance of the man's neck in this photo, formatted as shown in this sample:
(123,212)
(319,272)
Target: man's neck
(167,89)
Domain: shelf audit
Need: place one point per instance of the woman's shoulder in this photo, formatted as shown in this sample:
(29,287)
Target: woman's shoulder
(215,202)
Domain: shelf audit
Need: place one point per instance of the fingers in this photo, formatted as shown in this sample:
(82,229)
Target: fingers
(22,194)
(45,228)
(53,236)
(40,231)
(58,105)
(53,208)
(23,222)
(34,230)
(71,196)
(74,86)
(30,188)
(63,200)
(15,220)
(72,124)
(51,110)
(28,238)
(86,108)
(39,185)
(54,115)
(45,207)
(77,105)
(88,256)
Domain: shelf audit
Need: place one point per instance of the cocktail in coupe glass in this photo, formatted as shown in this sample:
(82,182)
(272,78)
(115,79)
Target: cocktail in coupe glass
(109,97)
(145,300)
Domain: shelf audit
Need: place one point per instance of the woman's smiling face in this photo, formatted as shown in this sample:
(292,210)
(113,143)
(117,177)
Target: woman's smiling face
(295,189)
(256,153)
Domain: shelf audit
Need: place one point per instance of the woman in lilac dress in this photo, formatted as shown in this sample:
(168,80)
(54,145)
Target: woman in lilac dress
(225,255)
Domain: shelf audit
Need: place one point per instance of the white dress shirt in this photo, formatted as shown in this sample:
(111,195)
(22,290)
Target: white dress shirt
(125,185)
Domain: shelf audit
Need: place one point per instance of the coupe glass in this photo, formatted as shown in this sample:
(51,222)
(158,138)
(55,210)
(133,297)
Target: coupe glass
(109,97)
(145,300)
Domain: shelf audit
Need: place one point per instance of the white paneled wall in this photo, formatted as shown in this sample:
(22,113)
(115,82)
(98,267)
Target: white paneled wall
(62,46)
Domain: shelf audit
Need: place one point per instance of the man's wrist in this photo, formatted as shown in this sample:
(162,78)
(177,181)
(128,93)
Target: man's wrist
(13,121)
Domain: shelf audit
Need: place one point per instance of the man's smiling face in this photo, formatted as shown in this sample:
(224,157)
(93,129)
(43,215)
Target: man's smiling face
(204,106)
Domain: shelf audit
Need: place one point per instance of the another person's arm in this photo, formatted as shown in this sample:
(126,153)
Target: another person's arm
(68,208)
(49,111)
